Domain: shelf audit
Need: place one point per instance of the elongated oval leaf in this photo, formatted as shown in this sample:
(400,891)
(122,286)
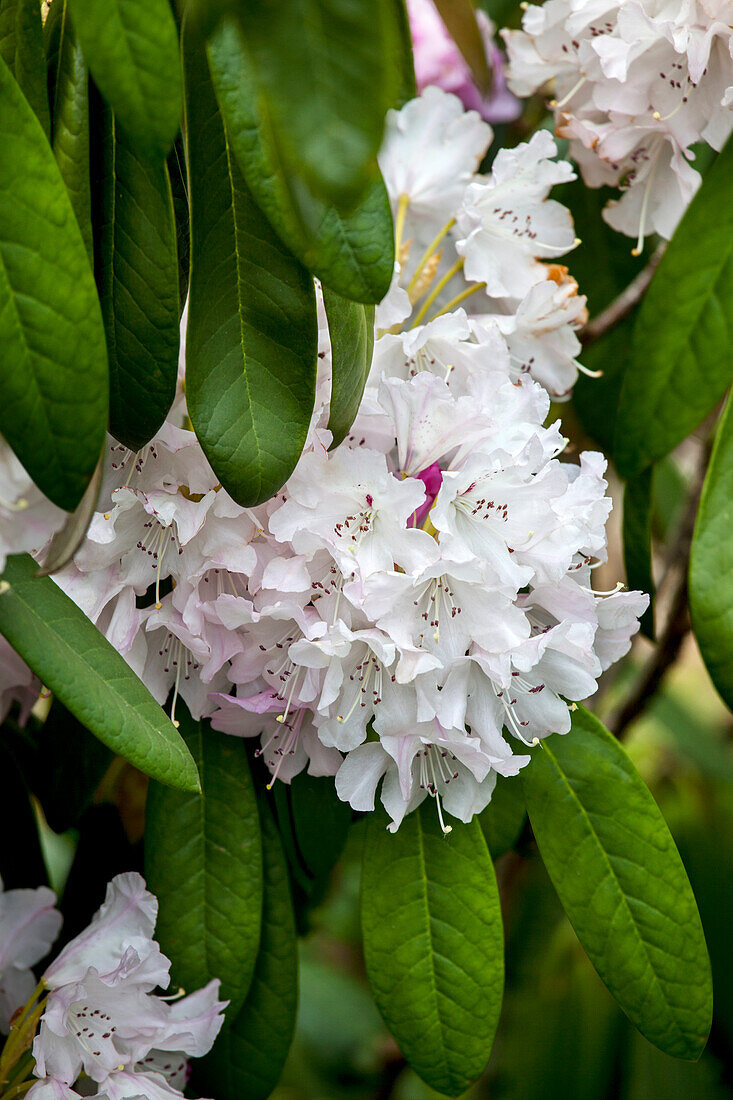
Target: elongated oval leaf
(433,944)
(340,54)
(251,341)
(136,265)
(459,17)
(503,819)
(711,563)
(53,368)
(250,1052)
(621,881)
(351,251)
(351,329)
(680,367)
(78,664)
(21,48)
(131,47)
(637,531)
(203,860)
(69,83)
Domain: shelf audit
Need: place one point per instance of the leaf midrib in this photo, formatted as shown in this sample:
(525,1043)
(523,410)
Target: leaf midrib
(607,861)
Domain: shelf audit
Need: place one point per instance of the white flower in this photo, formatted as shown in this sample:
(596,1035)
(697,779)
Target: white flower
(540,334)
(507,223)
(430,151)
(118,943)
(29,923)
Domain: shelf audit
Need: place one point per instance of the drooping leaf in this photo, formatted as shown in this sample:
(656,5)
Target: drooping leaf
(341,53)
(179,189)
(77,663)
(136,266)
(21,48)
(433,944)
(503,819)
(131,47)
(251,341)
(620,879)
(53,369)
(351,251)
(70,763)
(459,17)
(711,563)
(404,60)
(203,860)
(679,367)
(69,90)
(320,822)
(351,329)
(637,512)
(250,1052)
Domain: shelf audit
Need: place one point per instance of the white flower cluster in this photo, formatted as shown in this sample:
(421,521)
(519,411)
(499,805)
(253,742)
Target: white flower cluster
(426,586)
(99,1017)
(637,84)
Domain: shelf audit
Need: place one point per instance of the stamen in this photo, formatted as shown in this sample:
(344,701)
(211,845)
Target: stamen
(404,202)
(645,203)
(436,241)
(456,267)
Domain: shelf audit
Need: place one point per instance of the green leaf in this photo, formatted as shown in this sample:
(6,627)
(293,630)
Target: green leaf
(78,664)
(351,251)
(136,265)
(711,563)
(637,532)
(341,54)
(203,860)
(131,47)
(433,943)
(249,1054)
(404,60)
(21,48)
(251,341)
(459,17)
(320,822)
(351,329)
(679,367)
(69,88)
(53,371)
(503,819)
(622,883)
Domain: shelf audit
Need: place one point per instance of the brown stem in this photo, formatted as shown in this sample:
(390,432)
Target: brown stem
(622,306)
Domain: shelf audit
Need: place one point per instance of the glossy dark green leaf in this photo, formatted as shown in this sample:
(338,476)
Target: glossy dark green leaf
(620,879)
(21,48)
(179,188)
(70,764)
(250,1052)
(351,251)
(351,329)
(341,54)
(503,819)
(433,943)
(711,563)
(77,663)
(320,822)
(131,47)
(53,370)
(203,861)
(637,532)
(69,89)
(136,265)
(251,341)
(680,367)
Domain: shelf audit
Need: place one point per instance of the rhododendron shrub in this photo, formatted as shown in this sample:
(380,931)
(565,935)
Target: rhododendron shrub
(293,540)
